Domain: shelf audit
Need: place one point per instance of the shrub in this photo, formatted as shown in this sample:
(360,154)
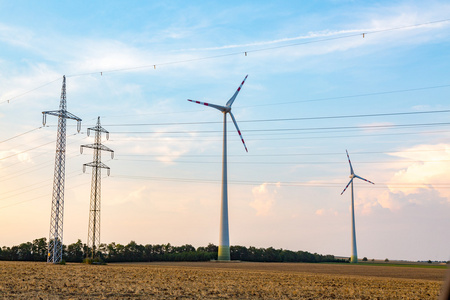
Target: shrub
(88,261)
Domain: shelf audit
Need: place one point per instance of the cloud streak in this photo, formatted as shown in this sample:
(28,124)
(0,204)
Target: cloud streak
(378,26)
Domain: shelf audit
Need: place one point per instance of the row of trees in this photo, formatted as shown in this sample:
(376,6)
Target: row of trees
(133,252)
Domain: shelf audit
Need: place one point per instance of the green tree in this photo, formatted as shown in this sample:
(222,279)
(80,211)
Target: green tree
(74,252)
(25,251)
(40,249)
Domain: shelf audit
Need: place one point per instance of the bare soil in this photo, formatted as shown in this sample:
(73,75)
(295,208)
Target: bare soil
(209,280)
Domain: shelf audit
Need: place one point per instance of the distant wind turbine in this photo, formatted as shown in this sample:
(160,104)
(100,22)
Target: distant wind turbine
(224,240)
(354,258)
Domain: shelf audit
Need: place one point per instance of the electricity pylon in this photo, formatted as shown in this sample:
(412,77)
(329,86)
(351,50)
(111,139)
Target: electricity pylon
(97,165)
(55,241)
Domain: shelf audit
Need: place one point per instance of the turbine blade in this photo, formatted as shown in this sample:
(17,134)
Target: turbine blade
(230,102)
(219,107)
(364,179)
(237,128)
(351,168)
(347,185)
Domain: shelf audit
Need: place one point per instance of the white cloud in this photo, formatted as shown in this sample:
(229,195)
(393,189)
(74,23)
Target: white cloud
(391,200)
(326,212)
(15,154)
(375,126)
(374,25)
(264,198)
(136,195)
(15,36)
(309,35)
(30,84)
(429,168)
(163,149)
(421,182)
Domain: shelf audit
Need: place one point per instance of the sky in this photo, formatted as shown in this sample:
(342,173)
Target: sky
(323,77)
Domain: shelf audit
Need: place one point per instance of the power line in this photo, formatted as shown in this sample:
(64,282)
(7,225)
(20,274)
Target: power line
(299,101)
(25,151)
(43,153)
(22,191)
(281,183)
(349,36)
(21,134)
(293,129)
(9,100)
(268,136)
(31,169)
(287,163)
(287,119)
(38,166)
(228,54)
(38,197)
(352,116)
(292,154)
(258,50)
(351,96)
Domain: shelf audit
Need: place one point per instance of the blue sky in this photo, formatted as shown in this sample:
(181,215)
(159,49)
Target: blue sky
(305,60)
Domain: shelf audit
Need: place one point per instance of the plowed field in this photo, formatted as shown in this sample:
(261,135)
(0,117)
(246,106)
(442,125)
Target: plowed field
(28,280)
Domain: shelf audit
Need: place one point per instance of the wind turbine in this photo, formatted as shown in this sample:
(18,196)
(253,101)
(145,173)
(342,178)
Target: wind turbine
(354,258)
(224,239)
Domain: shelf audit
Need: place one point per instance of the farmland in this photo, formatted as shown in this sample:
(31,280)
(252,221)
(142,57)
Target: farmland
(209,280)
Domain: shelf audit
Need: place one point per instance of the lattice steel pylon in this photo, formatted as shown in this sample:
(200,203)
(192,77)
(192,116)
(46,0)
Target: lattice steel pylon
(55,241)
(94,207)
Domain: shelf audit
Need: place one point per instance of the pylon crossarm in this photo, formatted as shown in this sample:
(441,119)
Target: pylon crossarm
(72,116)
(63,114)
(99,129)
(96,165)
(97,147)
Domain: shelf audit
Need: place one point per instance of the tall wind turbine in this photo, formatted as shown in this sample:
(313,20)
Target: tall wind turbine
(354,258)
(224,239)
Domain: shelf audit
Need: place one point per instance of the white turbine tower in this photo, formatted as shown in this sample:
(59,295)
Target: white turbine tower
(224,239)
(354,258)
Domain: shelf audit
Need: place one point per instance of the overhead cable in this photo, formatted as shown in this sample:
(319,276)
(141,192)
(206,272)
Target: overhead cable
(286,119)
(246,52)
(281,183)
(294,129)
(154,65)
(21,134)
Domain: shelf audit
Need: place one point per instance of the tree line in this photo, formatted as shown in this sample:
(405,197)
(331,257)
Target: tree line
(133,252)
